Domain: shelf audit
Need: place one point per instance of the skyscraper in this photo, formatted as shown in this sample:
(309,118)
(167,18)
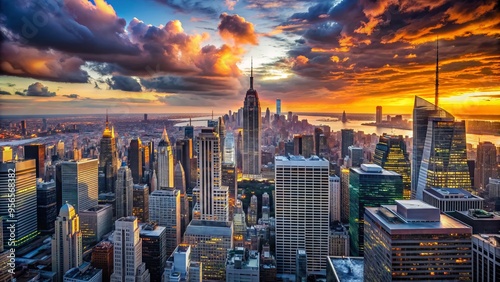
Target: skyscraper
(102,258)
(124,189)
(444,158)
(355,156)
(24,214)
(180,185)
(79,183)
(164,209)
(422,112)
(251,133)
(486,164)
(302,222)
(335,198)
(229,149)
(108,158)
(413,241)
(278,107)
(165,162)
(252,211)
(46,206)
(369,186)
(128,265)
(347,140)
(344,194)
(213,197)
(135,159)
(307,145)
(140,205)
(66,242)
(37,152)
(95,223)
(184,154)
(391,154)
(378,115)
(209,242)
(154,251)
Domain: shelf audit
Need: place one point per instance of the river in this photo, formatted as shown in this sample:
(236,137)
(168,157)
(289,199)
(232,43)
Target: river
(357,126)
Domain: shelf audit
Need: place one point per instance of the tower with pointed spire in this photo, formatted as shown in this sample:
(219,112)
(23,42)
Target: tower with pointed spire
(108,158)
(165,162)
(251,132)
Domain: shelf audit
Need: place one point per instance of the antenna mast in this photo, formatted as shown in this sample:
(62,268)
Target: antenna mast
(251,73)
(436,94)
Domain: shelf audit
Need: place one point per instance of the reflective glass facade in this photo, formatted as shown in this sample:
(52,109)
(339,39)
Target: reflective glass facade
(391,154)
(369,189)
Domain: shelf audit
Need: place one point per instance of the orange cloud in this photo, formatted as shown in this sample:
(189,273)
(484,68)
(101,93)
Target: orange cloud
(236,29)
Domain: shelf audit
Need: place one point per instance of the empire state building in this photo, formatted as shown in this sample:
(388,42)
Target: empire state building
(251,133)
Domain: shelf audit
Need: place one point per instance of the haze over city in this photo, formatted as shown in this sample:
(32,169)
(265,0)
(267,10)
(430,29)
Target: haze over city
(167,56)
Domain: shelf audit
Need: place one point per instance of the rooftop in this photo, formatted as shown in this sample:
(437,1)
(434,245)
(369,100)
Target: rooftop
(299,158)
(451,193)
(347,269)
(83,272)
(373,170)
(151,230)
(242,259)
(210,228)
(395,223)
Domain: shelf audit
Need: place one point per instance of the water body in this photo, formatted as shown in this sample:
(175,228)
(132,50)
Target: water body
(357,126)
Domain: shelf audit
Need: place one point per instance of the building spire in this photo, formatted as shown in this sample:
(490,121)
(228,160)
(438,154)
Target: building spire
(107,121)
(436,94)
(164,136)
(251,72)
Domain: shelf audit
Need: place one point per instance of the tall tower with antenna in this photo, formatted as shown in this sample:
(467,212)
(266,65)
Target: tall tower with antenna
(251,132)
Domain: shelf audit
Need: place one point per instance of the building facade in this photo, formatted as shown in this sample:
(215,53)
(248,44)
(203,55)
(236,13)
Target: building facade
(79,183)
(486,257)
(452,199)
(95,223)
(165,171)
(391,154)
(302,221)
(124,189)
(369,186)
(252,121)
(66,242)
(128,264)
(165,210)
(140,202)
(154,249)
(108,159)
(413,241)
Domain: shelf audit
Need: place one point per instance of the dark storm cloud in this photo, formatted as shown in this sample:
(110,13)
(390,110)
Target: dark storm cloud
(55,40)
(68,26)
(176,84)
(3,92)
(124,83)
(37,89)
(72,96)
(41,64)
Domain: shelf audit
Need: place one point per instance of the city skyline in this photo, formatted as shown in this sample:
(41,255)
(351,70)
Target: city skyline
(187,56)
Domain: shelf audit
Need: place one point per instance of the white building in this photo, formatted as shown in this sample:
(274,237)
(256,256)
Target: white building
(335,200)
(79,180)
(124,191)
(302,212)
(229,149)
(212,198)
(452,199)
(165,163)
(165,209)
(128,265)
(66,242)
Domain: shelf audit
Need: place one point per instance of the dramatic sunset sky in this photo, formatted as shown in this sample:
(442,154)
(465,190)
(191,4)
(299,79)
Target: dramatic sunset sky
(178,56)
